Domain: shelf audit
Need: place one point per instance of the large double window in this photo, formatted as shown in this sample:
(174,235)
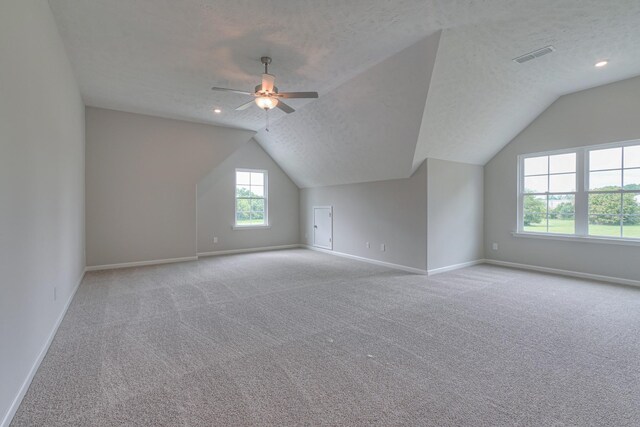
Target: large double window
(251,198)
(590,191)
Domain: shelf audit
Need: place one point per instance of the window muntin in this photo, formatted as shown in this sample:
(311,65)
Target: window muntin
(251,198)
(589,191)
(614,192)
(549,187)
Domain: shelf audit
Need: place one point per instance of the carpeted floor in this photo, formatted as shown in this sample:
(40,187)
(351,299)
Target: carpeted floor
(303,338)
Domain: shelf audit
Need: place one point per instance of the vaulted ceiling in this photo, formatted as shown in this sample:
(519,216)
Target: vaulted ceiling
(399,80)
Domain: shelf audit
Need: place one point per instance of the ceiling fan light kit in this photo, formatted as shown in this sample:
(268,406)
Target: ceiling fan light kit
(267,102)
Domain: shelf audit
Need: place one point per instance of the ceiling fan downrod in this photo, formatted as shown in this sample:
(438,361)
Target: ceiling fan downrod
(266,61)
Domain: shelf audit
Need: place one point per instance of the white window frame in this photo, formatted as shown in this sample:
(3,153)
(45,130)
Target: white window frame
(581,197)
(266,224)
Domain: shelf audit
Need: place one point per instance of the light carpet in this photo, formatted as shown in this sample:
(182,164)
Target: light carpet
(298,337)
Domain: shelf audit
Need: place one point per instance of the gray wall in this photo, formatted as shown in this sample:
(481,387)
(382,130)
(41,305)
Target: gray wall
(41,188)
(455,212)
(391,212)
(595,116)
(141,177)
(216,205)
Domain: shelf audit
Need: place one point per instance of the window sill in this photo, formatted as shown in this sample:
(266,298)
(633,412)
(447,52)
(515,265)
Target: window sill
(250,227)
(581,239)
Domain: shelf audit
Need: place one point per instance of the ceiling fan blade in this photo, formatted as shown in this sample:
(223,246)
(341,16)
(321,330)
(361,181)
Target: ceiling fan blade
(245,106)
(224,89)
(267,82)
(284,107)
(298,95)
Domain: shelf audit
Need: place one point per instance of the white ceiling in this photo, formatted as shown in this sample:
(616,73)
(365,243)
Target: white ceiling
(161,57)
(479,99)
(365,129)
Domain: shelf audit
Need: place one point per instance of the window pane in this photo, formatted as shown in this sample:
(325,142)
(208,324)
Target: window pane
(257,190)
(536,165)
(607,180)
(243,191)
(564,183)
(632,156)
(562,212)
(243,205)
(631,226)
(242,178)
(604,225)
(257,217)
(632,179)
(562,163)
(535,214)
(257,205)
(605,204)
(243,218)
(257,178)
(610,158)
(535,184)
(630,205)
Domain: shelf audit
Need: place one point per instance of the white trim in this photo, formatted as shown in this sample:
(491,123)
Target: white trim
(242,251)
(36,364)
(618,280)
(330,247)
(368,260)
(577,238)
(581,195)
(265,197)
(454,267)
(251,227)
(140,263)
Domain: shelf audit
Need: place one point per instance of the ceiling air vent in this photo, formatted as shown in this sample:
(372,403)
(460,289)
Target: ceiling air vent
(535,54)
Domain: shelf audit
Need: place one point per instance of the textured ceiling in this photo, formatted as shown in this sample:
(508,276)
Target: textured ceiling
(161,57)
(363,130)
(479,99)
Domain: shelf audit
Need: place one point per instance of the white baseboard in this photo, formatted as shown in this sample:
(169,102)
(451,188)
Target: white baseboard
(36,364)
(454,267)
(558,271)
(247,250)
(368,260)
(140,263)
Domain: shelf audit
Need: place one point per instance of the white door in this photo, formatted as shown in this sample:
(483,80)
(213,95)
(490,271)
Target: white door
(323,227)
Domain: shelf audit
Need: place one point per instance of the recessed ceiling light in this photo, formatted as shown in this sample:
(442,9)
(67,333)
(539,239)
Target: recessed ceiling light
(601,63)
(217,110)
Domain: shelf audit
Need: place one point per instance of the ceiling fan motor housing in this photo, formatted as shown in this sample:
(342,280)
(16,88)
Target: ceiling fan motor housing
(258,89)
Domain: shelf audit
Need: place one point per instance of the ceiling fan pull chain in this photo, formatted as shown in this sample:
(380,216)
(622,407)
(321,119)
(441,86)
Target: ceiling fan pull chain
(267,113)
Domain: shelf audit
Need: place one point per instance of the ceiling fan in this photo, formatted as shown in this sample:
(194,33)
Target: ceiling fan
(266,94)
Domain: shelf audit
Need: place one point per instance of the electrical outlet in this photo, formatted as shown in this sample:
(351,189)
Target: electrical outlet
(55,293)
(494,246)
(215,239)
(382,247)
(368,245)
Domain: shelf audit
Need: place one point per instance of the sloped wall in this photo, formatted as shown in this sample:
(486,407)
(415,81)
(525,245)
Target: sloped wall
(216,199)
(141,177)
(364,130)
(596,116)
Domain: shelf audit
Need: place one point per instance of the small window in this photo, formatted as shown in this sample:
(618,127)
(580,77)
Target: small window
(251,198)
